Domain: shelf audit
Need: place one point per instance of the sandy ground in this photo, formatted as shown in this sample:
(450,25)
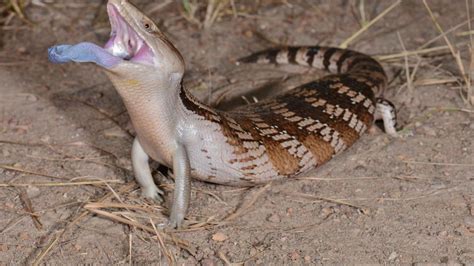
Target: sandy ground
(386,201)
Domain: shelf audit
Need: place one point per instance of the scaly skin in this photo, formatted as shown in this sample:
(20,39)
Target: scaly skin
(276,138)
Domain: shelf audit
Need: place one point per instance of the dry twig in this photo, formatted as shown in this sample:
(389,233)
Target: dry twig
(345,43)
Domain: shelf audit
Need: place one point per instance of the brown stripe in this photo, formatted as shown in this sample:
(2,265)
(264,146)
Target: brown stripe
(304,109)
(312,52)
(340,62)
(285,163)
(313,141)
(321,150)
(292,51)
(363,61)
(327,57)
(269,54)
(192,104)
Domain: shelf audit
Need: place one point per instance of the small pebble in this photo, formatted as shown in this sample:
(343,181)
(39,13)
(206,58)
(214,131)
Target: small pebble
(274,218)
(208,252)
(393,256)
(444,259)
(294,255)
(21,50)
(24,236)
(306,188)
(469,223)
(307,258)
(32,191)
(438,184)
(325,212)
(253,251)
(208,262)
(429,131)
(45,139)
(360,168)
(443,233)
(32,98)
(219,237)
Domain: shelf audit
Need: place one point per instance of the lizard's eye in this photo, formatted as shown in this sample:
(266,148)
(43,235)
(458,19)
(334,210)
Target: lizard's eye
(148,26)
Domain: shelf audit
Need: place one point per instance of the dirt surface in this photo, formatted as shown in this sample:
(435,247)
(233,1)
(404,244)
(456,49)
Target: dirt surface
(386,200)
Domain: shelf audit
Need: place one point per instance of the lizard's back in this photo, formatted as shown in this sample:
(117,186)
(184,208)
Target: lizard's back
(293,132)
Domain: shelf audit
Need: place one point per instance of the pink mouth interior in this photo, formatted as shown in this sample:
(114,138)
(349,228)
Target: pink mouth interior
(124,41)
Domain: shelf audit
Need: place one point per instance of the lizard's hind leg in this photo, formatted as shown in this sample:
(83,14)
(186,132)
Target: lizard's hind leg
(385,111)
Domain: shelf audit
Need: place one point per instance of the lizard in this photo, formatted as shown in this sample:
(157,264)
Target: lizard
(280,137)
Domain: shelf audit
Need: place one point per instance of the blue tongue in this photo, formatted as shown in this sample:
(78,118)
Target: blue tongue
(82,52)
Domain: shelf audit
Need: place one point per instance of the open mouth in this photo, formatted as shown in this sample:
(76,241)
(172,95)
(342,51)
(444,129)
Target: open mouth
(124,41)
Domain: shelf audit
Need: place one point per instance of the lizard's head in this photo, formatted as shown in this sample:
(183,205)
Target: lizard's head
(136,38)
(137,50)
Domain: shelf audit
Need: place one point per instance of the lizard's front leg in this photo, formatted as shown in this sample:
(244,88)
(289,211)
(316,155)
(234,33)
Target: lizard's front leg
(142,172)
(182,187)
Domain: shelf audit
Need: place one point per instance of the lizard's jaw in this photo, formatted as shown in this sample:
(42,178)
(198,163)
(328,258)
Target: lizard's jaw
(124,41)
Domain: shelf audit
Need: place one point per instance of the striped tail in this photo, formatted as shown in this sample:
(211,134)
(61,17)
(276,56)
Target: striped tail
(331,59)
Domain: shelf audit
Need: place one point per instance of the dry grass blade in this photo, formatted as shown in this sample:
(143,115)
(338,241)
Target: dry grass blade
(103,205)
(17,8)
(455,53)
(407,68)
(246,206)
(60,232)
(410,53)
(212,194)
(168,254)
(363,17)
(130,243)
(25,199)
(160,6)
(368,25)
(452,29)
(181,243)
(470,89)
(50,246)
(226,260)
(438,163)
(337,201)
(338,178)
(428,82)
(75,144)
(424,196)
(12,224)
(190,9)
(213,10)
(23,171)
(59,184)
(170,187)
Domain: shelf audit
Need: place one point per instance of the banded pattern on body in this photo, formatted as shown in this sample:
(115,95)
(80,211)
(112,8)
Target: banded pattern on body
(306,126)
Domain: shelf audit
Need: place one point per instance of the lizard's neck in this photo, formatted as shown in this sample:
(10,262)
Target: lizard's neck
(151,101)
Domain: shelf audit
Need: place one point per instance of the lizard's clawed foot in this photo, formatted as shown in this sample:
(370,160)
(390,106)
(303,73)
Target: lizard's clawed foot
(172,223)
(153,193)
